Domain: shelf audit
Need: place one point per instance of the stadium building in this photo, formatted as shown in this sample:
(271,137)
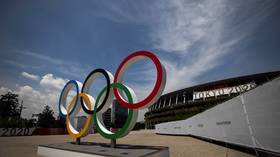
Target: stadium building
(185,103)
(117,118)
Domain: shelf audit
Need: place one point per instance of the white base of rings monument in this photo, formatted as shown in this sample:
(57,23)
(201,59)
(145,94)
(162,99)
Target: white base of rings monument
(100,150)
(94,107)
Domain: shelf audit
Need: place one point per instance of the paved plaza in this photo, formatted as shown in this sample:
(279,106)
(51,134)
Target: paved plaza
(179,146)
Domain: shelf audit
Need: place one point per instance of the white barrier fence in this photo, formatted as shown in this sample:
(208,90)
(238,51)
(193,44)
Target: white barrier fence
(16,131)
(251,119)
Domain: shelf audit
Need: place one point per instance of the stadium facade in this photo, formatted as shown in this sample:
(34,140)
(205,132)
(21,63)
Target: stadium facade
(185,103)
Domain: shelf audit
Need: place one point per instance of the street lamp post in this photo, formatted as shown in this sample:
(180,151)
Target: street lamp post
(20,111)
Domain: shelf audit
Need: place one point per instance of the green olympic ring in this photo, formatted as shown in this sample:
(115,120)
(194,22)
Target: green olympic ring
(128,125)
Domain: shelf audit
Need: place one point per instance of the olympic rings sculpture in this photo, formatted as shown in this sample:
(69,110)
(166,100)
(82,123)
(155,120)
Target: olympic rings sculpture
(114,88)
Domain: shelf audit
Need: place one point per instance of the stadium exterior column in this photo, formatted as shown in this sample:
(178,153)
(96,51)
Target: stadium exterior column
(170,101)
(184,95)
(157,104)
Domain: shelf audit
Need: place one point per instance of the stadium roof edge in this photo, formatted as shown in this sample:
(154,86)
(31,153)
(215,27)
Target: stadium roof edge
(225,80)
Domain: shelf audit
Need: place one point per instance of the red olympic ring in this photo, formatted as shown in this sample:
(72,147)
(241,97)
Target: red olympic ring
(158,87)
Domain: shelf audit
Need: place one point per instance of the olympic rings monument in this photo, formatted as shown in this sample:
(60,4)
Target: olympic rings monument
(114,89)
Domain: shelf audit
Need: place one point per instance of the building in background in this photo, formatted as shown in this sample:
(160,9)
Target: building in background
(184,103)
(107,118)
(117,118)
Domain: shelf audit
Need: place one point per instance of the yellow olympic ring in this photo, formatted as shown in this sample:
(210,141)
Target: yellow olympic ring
(71,130)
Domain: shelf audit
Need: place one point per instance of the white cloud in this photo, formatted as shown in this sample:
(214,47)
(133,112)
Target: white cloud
(42,57)
(201,33)
(20,65)
(4,90)
(69,68)
(30,76)
(50,82)
(183,23)
(35,100)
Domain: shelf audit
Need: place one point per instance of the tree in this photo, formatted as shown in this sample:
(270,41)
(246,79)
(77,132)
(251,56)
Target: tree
(9,105)
(46,118)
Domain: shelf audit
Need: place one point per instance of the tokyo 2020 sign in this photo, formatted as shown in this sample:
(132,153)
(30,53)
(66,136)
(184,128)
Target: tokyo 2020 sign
(114,88)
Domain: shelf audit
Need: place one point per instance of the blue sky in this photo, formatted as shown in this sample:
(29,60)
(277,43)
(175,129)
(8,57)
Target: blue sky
(45,43)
